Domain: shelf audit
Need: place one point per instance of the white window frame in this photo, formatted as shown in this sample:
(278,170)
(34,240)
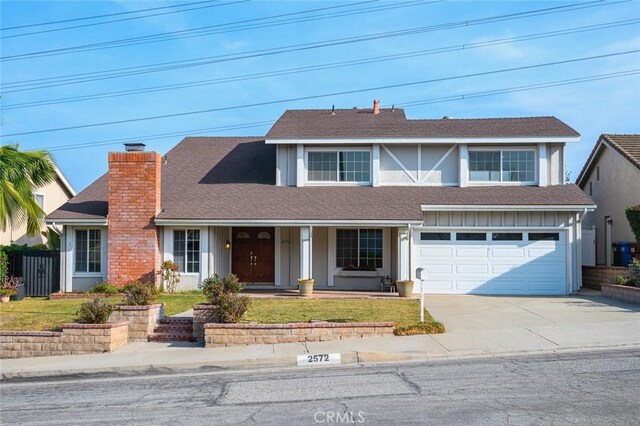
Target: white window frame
(77,273)
(337,150)
(502,182)
(335,255)
(200,250)
(36,195)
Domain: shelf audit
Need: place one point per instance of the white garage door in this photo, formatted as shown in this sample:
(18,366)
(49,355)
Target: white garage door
(513,262)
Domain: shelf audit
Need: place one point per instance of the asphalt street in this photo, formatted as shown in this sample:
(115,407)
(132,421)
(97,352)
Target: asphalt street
(586,388)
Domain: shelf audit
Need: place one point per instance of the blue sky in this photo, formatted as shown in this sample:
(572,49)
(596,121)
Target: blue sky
(609,105)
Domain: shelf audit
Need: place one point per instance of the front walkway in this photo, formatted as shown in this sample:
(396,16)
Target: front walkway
(276,293)
(476,326)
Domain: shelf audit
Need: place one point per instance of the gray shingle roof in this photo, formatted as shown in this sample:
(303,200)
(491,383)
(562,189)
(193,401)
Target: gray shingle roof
(627,145)
(362,123)
(230,179)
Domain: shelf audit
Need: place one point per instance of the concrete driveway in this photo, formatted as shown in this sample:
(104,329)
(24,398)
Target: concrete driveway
(491,324)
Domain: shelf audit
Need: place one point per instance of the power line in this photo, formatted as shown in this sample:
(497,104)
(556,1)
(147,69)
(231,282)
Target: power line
(346,92)
(325,66)
(165,66)
(201,31)
(493,92)
(105,15)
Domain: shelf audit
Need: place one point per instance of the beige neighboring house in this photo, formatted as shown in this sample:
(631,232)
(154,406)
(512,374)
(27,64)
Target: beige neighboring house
(49,197)
(611,177)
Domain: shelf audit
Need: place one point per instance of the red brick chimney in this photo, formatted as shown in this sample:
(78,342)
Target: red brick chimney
(376,107)
(134,201)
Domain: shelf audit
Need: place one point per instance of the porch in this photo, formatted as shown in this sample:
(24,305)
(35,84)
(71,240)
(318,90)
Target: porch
(363,258)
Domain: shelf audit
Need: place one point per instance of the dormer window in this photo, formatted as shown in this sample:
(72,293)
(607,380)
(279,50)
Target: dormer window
(339,166)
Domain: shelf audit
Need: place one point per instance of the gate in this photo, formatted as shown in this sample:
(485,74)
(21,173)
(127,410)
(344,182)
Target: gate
(40,270)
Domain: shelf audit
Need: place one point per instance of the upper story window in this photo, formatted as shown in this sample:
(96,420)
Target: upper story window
(351,166)
(502,166)
(88,251)
(39,200)
(186,250)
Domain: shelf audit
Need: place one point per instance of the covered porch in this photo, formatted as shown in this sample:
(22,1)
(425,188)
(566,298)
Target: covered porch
(341,257)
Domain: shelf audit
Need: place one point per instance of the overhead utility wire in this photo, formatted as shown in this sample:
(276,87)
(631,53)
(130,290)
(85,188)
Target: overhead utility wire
(84,18)
(198,32)
(346,92)
(557,83)
(164,66)
(319,67)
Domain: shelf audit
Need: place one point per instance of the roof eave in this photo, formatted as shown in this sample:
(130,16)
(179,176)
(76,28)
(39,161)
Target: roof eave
(507,207)
(405,140)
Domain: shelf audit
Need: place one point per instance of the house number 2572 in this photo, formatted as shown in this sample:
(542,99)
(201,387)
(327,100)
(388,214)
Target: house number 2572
(319,359)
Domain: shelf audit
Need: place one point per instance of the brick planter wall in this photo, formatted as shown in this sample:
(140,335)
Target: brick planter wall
(622,292)
(202,315)
(594,276)
(142,319)
(64,296)
(217,335)
(75,339)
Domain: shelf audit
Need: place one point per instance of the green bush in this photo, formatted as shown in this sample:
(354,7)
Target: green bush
(633,216)
(623,280)
(138,293)
(95,311)
(432,327)
(223,293)
(8,291)
(105,288)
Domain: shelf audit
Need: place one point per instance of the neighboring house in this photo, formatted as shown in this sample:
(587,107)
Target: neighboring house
(611,177)
(347,197)
(49,198)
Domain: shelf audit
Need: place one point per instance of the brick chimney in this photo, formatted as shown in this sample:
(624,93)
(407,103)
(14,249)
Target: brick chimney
(376,107)
(134,202)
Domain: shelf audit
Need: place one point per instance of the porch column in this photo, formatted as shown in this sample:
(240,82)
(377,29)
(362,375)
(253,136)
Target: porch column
(306,244)
(404,272)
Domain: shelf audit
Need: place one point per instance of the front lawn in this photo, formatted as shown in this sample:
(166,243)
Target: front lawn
(44,314)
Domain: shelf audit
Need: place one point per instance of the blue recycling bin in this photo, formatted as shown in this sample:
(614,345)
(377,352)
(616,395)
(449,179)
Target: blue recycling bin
(621,253)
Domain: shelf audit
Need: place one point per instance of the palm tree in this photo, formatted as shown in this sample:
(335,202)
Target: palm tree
(21,173)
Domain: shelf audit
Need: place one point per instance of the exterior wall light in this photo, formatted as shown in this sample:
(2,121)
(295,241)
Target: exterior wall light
(227,245)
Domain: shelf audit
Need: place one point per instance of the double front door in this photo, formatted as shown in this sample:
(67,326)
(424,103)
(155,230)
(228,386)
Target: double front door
(252,254)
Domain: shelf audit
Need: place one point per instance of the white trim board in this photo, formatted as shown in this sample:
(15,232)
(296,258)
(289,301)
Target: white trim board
(498,207)
(459,140)
(251,222)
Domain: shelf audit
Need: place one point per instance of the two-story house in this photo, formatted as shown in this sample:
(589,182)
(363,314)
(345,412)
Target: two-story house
(347,197)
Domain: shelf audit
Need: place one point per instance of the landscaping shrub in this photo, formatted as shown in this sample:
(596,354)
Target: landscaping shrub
(138,293)
(432,327)
(623,280)
(95,311)
(105,288)
(633,216)
(4,264)
(223,293)
(169,275)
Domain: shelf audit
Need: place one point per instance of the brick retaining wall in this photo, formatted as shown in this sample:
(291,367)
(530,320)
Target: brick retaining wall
(75,339)
(594,276)
(622,292)
(142,319)
(217,335)
(202,315)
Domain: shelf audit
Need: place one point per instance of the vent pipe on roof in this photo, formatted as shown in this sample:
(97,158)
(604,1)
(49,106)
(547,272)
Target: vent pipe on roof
(134,147)
(333,110)
(447,117)
(376,107)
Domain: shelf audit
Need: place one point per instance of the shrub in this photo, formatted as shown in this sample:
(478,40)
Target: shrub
(623,280)
(138,293)
(95,311)
(105,288)
(432,327)
(7,291)
(633,216)
(4,264)
(223,293)
(169,275)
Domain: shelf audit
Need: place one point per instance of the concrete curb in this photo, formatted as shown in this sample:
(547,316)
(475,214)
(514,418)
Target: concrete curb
(353,358)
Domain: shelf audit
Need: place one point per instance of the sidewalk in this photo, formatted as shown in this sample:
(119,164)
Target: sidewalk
(476,326)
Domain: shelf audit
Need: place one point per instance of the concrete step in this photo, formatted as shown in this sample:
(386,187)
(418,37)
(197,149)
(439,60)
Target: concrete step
(170,337)
(177,320)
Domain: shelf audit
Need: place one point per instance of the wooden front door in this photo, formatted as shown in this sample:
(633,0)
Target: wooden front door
(252,254)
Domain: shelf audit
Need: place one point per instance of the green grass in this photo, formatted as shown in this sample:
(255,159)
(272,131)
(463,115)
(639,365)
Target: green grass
(44,314)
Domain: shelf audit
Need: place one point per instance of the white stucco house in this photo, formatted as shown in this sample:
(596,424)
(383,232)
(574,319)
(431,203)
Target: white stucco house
(348,197)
